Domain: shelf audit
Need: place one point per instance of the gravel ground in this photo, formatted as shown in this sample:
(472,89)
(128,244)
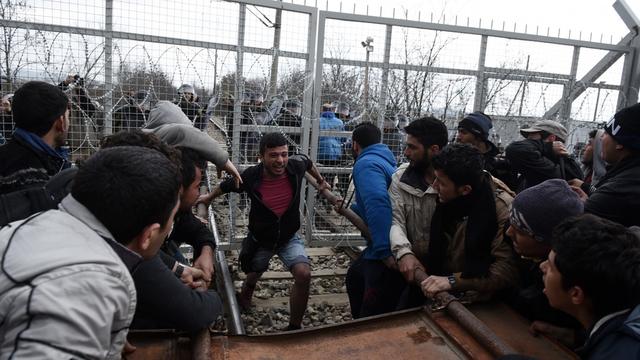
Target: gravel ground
(262,321)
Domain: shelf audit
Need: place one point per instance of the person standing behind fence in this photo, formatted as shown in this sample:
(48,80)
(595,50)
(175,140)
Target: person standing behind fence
(542,155)
(6,118)
(275,189)
(65,285)
(373,282)
(330,147)
(188,102)
(474,130)
(41,114)
(392,137)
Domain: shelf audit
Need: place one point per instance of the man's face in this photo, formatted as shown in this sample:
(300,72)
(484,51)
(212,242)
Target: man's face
(534,136)
(525,244)
(61,136)
(159,237)
(275,160)
(415,152)
(446,188)
(559,298)
(465,137)
(587,155)
(609,149)
(190,194)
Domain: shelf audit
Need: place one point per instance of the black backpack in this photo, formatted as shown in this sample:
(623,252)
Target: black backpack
(20,204)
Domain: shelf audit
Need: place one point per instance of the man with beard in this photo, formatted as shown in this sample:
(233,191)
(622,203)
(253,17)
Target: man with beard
(275,187)
(413,201)
(41,115)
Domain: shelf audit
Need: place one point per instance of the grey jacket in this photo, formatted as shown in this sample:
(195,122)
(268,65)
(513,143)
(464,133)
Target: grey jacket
(65,291)
(413,203)
(170,124)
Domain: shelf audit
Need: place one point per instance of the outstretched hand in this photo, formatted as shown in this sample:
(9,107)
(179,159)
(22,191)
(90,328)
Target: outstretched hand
(230,169)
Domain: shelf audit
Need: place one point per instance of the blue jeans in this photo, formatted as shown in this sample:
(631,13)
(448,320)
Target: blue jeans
(290,254)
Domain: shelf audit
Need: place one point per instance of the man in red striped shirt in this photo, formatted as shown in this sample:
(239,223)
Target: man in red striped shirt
(274,187)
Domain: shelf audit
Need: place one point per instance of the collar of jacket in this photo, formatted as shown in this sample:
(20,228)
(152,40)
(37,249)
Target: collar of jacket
(415,179)
(623,165)
(74,208)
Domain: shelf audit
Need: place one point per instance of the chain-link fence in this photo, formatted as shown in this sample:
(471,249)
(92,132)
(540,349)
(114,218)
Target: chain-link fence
(241,68)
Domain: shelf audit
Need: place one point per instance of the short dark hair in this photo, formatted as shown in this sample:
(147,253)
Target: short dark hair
(137,137)
(429,131)
(127,188)
(366,133)
(462,163)
(601,257)
(36,106)
(271,140)
(189,161)
(592,133)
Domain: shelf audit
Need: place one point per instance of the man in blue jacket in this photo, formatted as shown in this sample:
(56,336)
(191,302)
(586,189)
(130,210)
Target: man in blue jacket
(373,282)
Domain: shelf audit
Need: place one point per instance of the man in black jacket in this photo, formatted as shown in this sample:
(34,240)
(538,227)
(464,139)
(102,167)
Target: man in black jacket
(275,187)
(170,294)
(542,155)
(41,115)
(616,196)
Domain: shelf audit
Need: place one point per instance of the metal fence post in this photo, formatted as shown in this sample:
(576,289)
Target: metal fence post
(565,112)
(382,105)
(478,102)
(108,68)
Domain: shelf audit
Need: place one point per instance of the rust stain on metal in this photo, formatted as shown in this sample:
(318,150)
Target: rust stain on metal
(423,335)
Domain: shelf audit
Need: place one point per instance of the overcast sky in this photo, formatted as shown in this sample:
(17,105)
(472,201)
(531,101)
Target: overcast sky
(596,16)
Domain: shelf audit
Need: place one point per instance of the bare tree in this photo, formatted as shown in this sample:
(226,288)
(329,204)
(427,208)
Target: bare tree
(13,41)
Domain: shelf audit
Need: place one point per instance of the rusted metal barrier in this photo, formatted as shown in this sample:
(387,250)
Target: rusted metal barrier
(470,322)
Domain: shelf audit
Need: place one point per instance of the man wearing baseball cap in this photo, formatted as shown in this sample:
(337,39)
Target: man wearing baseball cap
(474,129)
(542,155)
(616,196)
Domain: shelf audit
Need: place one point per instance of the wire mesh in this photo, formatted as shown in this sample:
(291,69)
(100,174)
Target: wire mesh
(240,69)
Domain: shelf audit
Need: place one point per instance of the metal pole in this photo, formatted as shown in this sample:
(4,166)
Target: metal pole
(366,82)
(108,68)
(478,103)
(273,82)
(595,111)
(524,88)
(481,332)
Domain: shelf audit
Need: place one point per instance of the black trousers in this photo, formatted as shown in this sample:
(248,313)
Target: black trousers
(373,288)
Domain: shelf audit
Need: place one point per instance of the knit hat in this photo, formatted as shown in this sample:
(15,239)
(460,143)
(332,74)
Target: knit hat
(538,209)
(477,123)
(550,126)
(624,127)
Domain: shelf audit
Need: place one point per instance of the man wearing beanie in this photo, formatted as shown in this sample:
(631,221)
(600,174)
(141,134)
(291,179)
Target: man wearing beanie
(474,130)
(534,213)
(616,196)
(542,155)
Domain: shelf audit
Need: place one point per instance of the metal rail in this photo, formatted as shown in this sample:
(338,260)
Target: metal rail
(223,278)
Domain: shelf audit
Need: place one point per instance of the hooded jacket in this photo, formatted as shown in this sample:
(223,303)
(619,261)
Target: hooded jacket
(372,174)
(65,287)
(616,338)
(170,124)
(18,154)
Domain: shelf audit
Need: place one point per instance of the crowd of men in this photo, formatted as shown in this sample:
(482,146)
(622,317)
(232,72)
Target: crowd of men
(96,251)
